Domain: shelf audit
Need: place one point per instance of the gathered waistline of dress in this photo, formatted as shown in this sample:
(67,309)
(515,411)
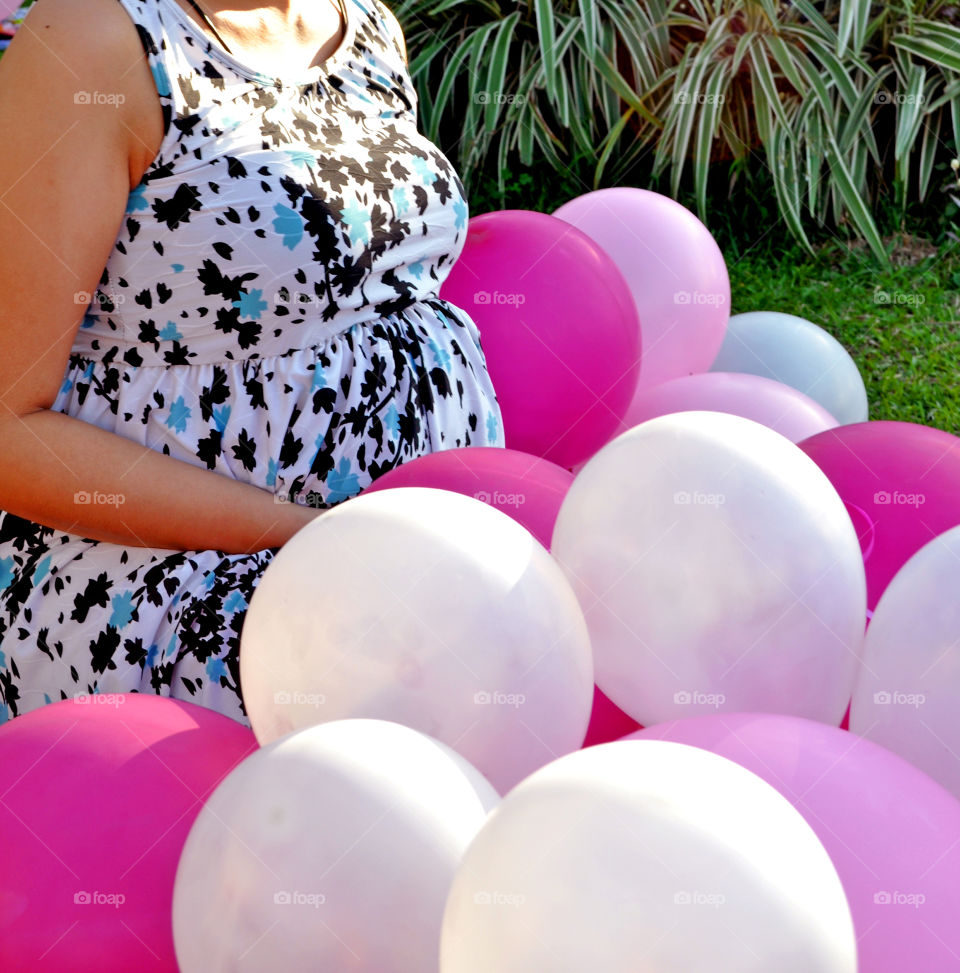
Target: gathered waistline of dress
(433,302)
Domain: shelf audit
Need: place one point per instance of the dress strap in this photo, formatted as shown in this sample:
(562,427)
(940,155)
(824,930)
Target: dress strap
(206,20)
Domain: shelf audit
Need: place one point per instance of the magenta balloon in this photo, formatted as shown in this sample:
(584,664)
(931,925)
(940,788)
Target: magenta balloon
(782,408)
(559,330)
(892,832)
(98,796)
(901,484)
(674,269)
(528,488)
(607,721)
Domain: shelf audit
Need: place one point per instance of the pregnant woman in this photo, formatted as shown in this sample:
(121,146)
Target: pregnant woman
(221,241)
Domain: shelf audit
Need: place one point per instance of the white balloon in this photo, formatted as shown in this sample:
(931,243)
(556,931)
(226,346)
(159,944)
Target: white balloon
(428,608)
(646,856)
(717,568)
(907,693)
(797,353)
(330,849)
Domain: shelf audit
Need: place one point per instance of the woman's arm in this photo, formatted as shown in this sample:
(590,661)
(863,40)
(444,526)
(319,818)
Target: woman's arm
(66,170)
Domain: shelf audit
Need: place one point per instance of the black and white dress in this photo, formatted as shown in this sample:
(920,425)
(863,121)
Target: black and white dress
(269,311)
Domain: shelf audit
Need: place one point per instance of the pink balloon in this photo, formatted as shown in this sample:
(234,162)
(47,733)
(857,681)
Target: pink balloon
(900,482)
(782,408)
(559,330)
(675,271)
(7,7)
(98,795)
(528,488)
(607,721)
(892,832)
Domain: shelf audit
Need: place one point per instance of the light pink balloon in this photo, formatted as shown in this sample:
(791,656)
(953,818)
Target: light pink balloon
(773,404)
(675,271)
(892,832)
(8,7)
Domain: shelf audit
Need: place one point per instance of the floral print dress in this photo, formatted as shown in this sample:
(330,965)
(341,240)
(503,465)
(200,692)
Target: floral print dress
(269,311)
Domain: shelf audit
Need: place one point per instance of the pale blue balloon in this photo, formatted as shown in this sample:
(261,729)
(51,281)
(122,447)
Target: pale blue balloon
(798,353)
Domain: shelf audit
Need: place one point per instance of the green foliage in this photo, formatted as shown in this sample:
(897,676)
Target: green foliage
(848,105)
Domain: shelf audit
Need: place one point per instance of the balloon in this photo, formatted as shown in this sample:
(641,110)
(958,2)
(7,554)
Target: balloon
(675,271)
(798,353)
(430,609)
(560,331)
(717,568)
(332,848)
(901,484)
(9,7)
(99,793)
(527,488)
(892,833)
(644,855)
(907,692)
(773,404)
(607,721)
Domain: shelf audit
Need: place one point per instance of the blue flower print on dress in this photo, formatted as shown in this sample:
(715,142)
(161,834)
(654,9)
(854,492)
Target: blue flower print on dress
(234,602)
(288,224)
(169,332)
(135,200)
(440,355)
(250,304)
(357,219)
(40,572)
(342,483)
(122,610)
(493,427)
(179,414)
(423,169)
(391,422)
(6,572)
(215,669)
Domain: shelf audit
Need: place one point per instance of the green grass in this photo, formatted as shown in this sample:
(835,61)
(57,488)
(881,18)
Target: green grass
(901,325)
